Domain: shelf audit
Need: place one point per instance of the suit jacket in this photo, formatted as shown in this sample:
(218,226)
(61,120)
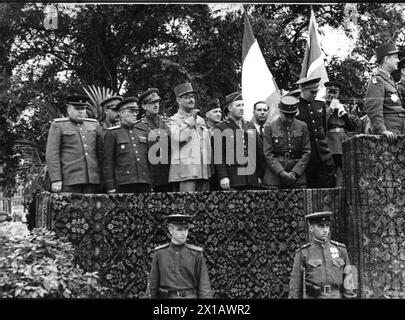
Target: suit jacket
(71,152)
(225,153)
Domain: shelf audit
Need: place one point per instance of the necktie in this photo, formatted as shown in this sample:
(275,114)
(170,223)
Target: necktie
(261,130)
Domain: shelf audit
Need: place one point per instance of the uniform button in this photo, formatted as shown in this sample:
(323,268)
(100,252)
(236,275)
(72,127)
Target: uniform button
(85,145)
(86,153)
(311,112)
(81,128)
(289,144)
(134,145)
(313,121)
(138,159)
(83,137)
(315,130)
(133,138)
(130,131)
(136,151)
(127,171)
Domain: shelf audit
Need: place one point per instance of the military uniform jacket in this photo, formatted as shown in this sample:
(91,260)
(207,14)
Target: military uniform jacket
(314,115)
(190,148)
(324,264)
(229,166)
(286,149)
(401,89)
(71,152)
(382,97)
(125,158)
(160,171)
(178,267)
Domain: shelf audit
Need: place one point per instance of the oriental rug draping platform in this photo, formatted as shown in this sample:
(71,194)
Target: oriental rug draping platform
(249,237)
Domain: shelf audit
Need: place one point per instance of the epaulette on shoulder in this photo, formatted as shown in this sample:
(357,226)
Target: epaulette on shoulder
(112,128)
(90,119)
(303,247)
(61,119)
(162,246)
(338,243)
(193,247)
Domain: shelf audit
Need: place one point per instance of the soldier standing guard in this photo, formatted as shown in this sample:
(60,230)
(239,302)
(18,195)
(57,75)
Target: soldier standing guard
(287,148)
(156,126)
(383,102)
(178,268)
(323,264)
(71,150)
(125,157)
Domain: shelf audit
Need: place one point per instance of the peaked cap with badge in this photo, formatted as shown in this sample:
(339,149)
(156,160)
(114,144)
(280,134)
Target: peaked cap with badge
(128,103)
(183,89)
(111,99)
(288,104)
(149,96)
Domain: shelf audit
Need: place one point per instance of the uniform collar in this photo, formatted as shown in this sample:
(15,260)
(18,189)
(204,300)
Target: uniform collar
(76,122)
(177,247)
(183,114)
(384,74)
(125,126)
(319,243)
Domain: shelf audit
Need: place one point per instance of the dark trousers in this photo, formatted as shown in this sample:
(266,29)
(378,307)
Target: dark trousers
(81,188)
(337,159)
(163,188)
(134,188)
(321,175)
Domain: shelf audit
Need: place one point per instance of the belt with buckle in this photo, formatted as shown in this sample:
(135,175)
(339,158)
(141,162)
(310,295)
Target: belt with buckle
(330,288)
(337,129)
(181,292)
(288,156)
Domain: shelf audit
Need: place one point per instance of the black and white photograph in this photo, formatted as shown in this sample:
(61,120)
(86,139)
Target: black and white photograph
(224,152)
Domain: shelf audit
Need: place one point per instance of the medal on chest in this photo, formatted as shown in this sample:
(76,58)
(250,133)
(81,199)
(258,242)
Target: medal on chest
(334,252)
(123,146)
(394,97)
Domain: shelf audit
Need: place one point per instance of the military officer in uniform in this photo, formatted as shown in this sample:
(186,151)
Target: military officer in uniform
(383,102)
(287,148)
(125,158)
(157,127)
(233,136)
(112,117)
(71,150)
(401,83)
(178,268)
(321,268)
(320,172)
(339,123)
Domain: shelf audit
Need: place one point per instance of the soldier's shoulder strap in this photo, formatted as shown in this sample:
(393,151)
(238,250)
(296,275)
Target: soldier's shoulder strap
(90,119)
(338,243)
(162,246)
(61,119)
(303,247)
(193,247)
(112,128)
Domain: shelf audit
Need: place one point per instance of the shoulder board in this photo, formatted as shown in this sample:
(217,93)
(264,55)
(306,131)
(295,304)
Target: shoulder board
(193,247)
(115,127)
(162,246)
(61,119)
(90,119)
(303,247)
(337,243)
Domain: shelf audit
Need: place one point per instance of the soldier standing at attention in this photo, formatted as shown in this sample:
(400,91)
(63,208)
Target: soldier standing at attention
(287,148)
(320,171)
(323,264)
(125,158)
(154,124)
(71,150)
(178,268)
(383,102)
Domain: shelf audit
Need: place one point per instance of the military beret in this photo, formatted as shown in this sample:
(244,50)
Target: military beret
(235,96)
(211,105)
(319,217)
(288,104)
(309,82)
(183,89)
(386,50)
(78,100)
(110,99)
(128,103)
(179,219)
(149,96)
(333,84)
(401,63)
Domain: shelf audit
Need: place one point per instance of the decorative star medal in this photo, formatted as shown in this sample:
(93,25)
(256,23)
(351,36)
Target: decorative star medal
(334,252)
(394,97)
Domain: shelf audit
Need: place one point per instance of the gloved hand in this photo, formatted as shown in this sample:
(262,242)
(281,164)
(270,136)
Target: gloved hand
(287,177)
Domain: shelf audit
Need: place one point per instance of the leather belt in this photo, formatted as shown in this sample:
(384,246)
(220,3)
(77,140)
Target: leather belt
(288,156)
(181,292)
(337,129)
(329,288)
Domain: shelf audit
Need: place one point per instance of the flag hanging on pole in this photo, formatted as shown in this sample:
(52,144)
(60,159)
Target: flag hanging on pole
(313,64)
(257,81)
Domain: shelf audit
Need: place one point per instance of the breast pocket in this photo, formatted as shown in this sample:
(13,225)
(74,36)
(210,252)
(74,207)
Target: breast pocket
(69,137)
(339,262)
(279,142)
(297,139)
(123,147)
(314,263)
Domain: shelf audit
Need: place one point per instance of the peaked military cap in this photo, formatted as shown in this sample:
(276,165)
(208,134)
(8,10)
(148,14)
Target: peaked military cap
(78,100)
(149,96)
(288,104)
(318,217)
(111,99)
(333,84)
(128,103)
(179,219)
(386,50)
(211,105)
(183,89)
(235,96)
(294,93)
(401,63)
(309,82)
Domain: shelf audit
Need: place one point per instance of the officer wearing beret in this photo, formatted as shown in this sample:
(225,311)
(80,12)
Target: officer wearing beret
(287,148)
(401,83)
(71,150)
(190,139)
(240,164)
(320,172)
(157,128)
(321,268)
(178,268)
(383,102)
(125,161)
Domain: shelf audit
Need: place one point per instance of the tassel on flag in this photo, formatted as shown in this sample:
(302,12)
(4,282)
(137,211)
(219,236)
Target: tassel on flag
(257,81)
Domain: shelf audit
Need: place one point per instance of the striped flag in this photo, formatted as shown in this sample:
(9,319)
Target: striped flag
(257,81)
(314,64)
